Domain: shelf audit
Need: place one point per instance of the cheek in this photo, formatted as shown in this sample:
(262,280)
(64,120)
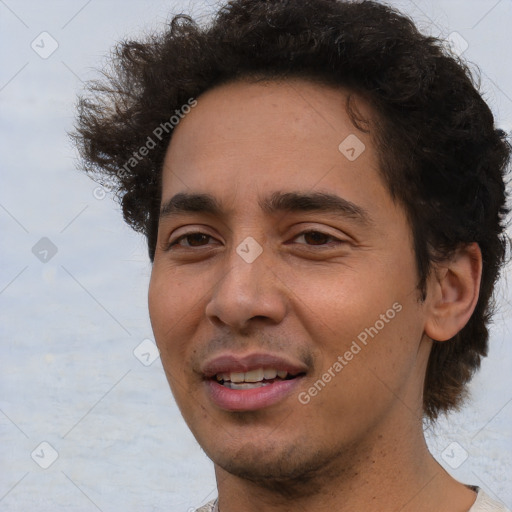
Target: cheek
(337,304)
(171,310)
(380,361)
(173,296)
(367,318)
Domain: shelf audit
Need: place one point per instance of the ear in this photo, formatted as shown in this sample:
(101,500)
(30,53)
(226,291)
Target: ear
(452,292)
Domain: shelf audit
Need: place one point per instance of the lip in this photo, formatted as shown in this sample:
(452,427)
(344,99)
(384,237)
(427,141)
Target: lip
(226,363)
(250,399)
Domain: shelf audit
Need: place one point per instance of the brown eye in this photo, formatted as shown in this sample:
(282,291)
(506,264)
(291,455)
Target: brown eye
(193,239)
(312,237)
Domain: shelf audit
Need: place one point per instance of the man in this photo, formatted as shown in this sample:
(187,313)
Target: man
(322,190)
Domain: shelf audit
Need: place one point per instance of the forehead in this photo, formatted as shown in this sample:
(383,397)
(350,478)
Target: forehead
(269,136)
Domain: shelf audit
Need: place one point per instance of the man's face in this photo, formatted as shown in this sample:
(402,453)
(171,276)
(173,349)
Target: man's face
(289,333)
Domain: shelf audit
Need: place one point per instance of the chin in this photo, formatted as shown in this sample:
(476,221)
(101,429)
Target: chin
(284,469)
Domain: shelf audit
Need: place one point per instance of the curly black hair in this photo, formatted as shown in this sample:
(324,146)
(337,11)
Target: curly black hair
(440,154)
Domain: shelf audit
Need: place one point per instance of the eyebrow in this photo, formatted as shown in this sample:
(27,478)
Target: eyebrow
(187,203)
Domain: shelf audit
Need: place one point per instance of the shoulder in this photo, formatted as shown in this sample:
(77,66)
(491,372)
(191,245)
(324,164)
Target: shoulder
(211,506)
(484,503)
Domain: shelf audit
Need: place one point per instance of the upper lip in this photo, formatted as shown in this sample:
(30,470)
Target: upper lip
(229,362)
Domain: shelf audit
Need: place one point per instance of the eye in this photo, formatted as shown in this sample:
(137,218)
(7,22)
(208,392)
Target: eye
(194,239)
(316,237)
(198,239)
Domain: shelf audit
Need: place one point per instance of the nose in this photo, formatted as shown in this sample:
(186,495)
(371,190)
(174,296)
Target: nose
(246,294)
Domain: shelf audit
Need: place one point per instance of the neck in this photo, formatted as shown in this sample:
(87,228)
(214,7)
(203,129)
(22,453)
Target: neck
(393,471)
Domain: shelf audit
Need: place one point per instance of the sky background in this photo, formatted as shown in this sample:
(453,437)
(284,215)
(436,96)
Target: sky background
(85,424)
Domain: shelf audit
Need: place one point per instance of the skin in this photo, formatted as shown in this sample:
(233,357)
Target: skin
(358,444)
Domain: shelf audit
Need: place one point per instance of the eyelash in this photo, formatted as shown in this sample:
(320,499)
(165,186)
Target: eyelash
(306,232)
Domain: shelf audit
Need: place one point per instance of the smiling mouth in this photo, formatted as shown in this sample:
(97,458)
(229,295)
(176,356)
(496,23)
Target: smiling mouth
(252,379)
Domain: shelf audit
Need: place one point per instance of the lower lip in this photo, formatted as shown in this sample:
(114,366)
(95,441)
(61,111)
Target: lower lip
(250,399)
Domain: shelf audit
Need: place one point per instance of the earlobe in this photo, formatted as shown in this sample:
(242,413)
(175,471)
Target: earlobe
(453,291)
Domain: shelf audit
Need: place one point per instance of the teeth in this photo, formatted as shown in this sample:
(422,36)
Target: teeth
(252,376)
(269,373)
(237,376)
(246,385)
